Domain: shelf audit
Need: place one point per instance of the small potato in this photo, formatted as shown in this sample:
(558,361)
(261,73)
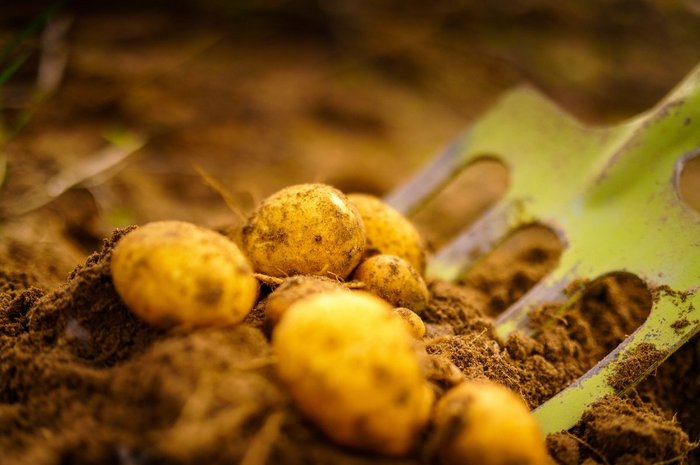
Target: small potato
(294,289)
(394,280)
(413,322)
(389,232)
(351,366)
(171,272)
(486,423)
(308,229)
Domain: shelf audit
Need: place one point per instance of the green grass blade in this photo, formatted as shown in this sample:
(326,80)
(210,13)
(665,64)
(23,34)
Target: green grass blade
(30,30)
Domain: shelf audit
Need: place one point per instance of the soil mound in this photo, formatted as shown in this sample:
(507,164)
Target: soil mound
(83,381)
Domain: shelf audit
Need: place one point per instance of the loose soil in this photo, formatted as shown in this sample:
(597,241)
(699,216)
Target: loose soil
(83,381)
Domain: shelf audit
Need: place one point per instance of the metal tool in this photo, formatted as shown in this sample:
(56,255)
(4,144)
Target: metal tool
(611,194)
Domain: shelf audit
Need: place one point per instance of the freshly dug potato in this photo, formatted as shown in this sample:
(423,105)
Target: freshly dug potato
(171,272)
(351,366)
(308,229)
(294,289)
(486,423)
(413,322)
(389,232)
(394,280)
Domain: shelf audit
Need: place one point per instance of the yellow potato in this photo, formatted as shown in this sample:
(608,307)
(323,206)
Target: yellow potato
(351,366)
(294,289)
(307,229)
(389,232)
(394,280)
(171,272)
(486,423)
(413,322)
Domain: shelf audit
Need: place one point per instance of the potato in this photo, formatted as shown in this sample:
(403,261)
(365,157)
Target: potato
(389,232)
(413,322)
(394,280)
(171,272)
(351,366)
(486,423)
(294,289)
(308,229)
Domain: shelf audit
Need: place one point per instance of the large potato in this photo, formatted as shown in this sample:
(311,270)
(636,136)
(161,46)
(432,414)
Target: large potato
(486,423)
(388,231)
(171,272)
(394,280)
(351,366)
(307,229)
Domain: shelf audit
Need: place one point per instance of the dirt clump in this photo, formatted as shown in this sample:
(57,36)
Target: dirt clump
(675,389)
(637,361)
(624,431)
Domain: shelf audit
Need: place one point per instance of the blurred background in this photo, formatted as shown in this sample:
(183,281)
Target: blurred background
(134,111)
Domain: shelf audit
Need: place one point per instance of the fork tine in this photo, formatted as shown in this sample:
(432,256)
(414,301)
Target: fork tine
(413,194)
(480,238)
(550,290)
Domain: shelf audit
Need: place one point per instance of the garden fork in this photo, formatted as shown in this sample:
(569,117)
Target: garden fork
(611,194)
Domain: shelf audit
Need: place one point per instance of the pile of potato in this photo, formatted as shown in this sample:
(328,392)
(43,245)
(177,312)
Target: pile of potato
(350,355)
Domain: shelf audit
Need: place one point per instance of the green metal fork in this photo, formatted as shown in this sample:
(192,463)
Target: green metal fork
(611,193)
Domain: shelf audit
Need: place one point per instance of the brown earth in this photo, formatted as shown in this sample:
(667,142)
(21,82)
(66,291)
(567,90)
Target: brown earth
(359,98)
(84,381)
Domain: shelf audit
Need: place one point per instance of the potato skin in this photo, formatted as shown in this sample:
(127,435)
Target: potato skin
(412,321)
(309,229)
(388,231)
(351,366)
(486,423)
(394,280)
(172,272)
(294,289)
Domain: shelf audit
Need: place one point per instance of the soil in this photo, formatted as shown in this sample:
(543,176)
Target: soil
(621,430)
(233,110)
(639,360)
(85,381)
